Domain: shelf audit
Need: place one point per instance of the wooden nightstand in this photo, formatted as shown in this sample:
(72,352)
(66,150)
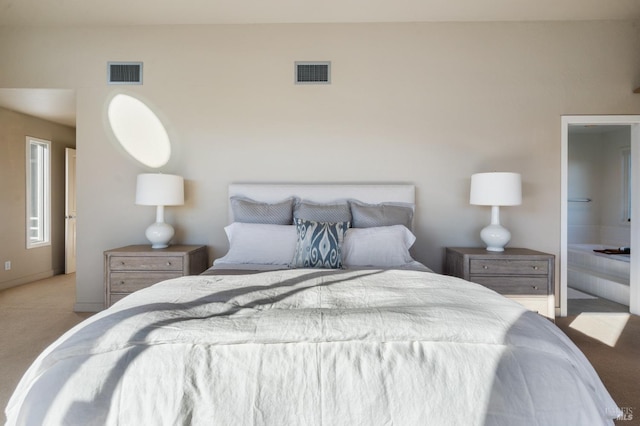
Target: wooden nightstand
(523,275)
(131,268)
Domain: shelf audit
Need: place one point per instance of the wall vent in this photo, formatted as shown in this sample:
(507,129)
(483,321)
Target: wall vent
(313,72)
(124,72)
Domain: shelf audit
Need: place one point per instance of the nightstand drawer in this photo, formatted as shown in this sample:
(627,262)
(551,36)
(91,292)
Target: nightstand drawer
(508,267)
(520,274)
(146,263)
(115,297)
(514,285)
(132,268)
(127,282)
(539,304)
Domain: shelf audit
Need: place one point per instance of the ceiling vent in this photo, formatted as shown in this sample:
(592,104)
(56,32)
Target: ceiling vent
(313,72)
(124,72)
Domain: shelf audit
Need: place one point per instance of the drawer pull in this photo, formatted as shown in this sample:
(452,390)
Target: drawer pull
(168,263)
(485,267)
(122,262)
(535,268)
(535,287)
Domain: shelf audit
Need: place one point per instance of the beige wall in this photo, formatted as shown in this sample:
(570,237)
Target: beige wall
(35,263)
(427,104)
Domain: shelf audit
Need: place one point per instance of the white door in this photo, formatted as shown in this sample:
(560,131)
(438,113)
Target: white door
(70,211)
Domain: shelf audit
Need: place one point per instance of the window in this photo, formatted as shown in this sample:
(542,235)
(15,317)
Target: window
(139,130)
(38,192)
(626,185)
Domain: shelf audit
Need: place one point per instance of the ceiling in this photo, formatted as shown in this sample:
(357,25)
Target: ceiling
(160,12)
(59,105)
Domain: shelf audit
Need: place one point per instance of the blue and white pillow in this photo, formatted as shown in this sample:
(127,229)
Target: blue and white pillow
(319,244)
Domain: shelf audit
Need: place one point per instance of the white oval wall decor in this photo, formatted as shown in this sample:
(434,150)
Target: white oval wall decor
(139,130)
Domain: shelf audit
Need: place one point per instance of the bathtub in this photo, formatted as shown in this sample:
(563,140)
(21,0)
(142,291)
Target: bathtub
(602,275)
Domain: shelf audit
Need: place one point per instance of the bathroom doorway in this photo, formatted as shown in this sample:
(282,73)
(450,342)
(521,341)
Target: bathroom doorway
(592,215)
(598,218)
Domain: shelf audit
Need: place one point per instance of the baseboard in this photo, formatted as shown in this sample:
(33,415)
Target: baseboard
(26,279)
(88,307)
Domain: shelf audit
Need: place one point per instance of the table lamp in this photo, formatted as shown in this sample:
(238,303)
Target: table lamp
(156,189)
(495,190)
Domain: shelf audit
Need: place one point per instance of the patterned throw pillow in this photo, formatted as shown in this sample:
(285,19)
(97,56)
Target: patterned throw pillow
(319,244)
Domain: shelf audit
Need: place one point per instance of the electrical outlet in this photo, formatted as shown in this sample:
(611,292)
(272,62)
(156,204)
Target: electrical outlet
(7,265)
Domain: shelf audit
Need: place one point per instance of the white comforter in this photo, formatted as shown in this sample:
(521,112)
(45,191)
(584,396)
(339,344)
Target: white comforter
(309,347)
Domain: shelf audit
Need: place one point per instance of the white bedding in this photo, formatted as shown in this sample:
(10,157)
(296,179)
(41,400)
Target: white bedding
(313,347)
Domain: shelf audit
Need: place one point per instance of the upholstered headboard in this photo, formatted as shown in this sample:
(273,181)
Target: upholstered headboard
(324,193)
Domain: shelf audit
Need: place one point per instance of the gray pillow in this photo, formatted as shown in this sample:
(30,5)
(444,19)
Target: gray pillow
(384,214)
(250,211)
(336,212)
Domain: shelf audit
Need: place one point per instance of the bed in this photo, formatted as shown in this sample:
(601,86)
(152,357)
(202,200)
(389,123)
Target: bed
(259,342)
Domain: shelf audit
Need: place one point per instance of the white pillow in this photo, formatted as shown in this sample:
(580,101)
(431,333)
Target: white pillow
(383,246)
(259,243)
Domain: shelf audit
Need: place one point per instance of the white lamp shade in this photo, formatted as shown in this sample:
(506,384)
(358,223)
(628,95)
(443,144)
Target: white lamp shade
(496,189)
(155,189)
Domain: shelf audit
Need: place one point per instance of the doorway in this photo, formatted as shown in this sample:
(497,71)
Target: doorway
(633,122)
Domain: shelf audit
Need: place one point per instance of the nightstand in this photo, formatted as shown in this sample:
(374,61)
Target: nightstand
(523,275)
(131,268)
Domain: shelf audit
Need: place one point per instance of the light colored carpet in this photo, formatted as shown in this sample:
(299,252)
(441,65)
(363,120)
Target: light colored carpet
(611,342)
(34,315)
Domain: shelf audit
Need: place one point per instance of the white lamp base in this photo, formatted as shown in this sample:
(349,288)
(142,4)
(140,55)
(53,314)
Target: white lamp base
(495,237)
(159,234)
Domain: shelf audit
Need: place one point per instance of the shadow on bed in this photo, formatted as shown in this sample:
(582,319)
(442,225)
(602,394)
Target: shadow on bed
(414,353)
(554,391)
(87,410)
